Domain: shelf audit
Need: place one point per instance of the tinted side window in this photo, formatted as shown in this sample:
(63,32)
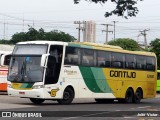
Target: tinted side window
(72,56)
(103,58)
(56,51)
(130,61)
(88,57)
(141,62)
(117,60)
(150,64)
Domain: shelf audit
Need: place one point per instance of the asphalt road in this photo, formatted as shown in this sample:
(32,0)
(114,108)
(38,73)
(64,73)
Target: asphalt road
(148,109)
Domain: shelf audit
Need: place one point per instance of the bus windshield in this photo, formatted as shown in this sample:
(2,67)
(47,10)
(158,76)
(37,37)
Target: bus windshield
(25,69)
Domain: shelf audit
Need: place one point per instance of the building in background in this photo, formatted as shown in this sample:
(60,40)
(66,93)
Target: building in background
(89,32)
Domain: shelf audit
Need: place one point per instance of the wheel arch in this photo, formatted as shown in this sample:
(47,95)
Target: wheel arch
(131,89)
(123,94)
(71,87)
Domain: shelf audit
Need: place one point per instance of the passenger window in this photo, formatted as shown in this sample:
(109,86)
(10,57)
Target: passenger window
(130,61)
(72,56)
(140,62)
(117,60)
(150,64)
(104,59)
(88,57)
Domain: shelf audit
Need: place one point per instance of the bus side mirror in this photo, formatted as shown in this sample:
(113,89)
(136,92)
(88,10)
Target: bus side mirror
(43,60)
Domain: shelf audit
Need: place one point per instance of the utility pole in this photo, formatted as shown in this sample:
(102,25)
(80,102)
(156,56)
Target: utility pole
(79,28)
(143,32)
(23,24)
(114,22)
(33,23)
(107,25)
(84,30)
(4,32)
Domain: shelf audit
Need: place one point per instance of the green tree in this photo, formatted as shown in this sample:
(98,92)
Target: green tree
(32,34)
(125,43)
(59,36)
(155,47)
(5,42)
(18,37)
(126,8)
(40,34)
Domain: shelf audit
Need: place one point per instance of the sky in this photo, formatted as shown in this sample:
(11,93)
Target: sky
(19,15)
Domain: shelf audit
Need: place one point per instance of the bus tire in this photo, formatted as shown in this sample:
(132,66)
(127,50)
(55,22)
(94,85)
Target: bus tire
(129,96)
(137,96)
(37,101)
(68,96)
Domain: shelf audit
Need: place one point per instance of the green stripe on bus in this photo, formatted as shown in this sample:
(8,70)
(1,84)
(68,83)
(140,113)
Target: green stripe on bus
(26,85)
(101,80)
(29,85)
(89,79)
(79,45)
(74,45)
(85,46)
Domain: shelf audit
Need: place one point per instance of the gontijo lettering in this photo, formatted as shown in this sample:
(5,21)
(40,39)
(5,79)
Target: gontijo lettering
(122,74)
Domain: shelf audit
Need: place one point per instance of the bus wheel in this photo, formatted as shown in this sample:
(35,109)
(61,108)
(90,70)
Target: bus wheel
(36,100)
(129,96)
(137,96)
(68,96)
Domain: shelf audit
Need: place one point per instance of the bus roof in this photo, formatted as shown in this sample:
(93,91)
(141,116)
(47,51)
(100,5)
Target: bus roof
(98,45)
(111,48)
(91,45)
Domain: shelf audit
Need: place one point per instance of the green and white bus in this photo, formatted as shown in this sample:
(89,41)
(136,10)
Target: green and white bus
(50,70)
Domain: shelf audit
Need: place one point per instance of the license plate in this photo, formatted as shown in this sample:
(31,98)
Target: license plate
(22,93)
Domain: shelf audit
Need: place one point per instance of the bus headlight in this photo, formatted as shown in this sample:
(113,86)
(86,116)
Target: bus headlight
(9,86)
(38,86)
